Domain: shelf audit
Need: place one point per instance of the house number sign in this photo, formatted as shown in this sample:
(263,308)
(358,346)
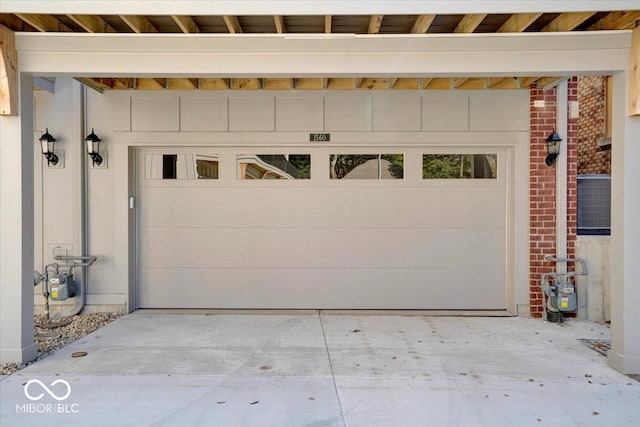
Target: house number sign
(319,137)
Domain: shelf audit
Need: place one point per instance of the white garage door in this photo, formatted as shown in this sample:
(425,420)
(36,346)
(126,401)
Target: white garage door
(337,227)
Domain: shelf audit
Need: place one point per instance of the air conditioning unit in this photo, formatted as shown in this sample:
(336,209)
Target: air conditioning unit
(594,205)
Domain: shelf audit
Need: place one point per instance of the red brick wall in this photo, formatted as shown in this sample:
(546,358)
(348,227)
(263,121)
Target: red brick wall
(592,99)
(542,189)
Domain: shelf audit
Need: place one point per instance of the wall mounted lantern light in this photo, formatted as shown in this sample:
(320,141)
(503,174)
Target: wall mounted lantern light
(48,142)
(93,148)
(553,148)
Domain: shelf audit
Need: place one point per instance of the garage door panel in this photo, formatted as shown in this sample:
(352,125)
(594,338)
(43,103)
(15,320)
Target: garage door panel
(323,207)
(409,243)
(313,288)
(322,248)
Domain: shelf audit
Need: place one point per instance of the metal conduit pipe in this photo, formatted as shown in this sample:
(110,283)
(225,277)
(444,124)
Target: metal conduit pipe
(81,299)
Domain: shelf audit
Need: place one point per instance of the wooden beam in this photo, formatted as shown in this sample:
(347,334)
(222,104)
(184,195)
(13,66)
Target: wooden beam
(186,24)
(182,84)
(407,84)
(151,84)
(518,22)
(233,25)
(549,81)
(214,84)
(633,105)
(375,23)
(391,83)
(492,81)
(424,83)
(14,23)
(374,84)
(92,23)
(422,24)
(44,23)
(340,84)
(278,84)
(139,24)
(625,20)
(473,83)
(469,23)
(8,73)
(506,83)
(279,21)
(458,81)
(324,83)
(327,23)
(525,82)
(567,21)
(437,83)
(357,82)
(93,84)
(308,84)
(124,83)
(246,84)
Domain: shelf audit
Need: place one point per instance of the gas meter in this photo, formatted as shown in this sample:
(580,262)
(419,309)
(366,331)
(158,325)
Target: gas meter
(62,286)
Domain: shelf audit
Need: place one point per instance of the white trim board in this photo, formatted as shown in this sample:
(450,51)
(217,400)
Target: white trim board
(521,54)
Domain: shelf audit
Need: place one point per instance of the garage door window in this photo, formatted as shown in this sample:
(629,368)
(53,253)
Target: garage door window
(274,166)
(366,166)
(459,166)
(181,166)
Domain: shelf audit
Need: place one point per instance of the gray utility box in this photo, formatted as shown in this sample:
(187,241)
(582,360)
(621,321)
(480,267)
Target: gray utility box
(62,287)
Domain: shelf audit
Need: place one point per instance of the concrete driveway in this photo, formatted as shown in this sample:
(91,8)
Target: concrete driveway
(311,369)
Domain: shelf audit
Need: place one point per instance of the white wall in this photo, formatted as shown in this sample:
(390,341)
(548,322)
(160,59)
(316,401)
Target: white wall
(137,118)
(595,288)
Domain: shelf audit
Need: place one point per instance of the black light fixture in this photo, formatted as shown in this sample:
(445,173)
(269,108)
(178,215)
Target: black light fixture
(48,142)
(93,148)
(553,148)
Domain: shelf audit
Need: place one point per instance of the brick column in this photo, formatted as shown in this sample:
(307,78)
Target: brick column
(542,194)
(542,189)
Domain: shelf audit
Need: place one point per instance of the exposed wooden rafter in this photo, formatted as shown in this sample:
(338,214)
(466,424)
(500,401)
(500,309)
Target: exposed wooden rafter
(567,21)
(151,83)
(182,84)
(139,24)
(459,81)
(214,84)
(186,24)
(233,25)
(248,84)
(422,24)
(549,81)
(327,23)
(279,21)
(469,23)
(623,20)
(525,82)
(375,22)
(518,22)
(44,23)
(424,83)
(92,23)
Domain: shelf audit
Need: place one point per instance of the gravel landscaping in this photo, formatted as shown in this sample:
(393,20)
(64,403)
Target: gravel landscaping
(56,334)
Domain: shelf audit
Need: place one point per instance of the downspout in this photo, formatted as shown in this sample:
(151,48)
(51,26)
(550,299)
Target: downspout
(561,176)
(81,299)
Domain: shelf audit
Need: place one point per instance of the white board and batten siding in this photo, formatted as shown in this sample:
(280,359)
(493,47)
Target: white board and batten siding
(409,243)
